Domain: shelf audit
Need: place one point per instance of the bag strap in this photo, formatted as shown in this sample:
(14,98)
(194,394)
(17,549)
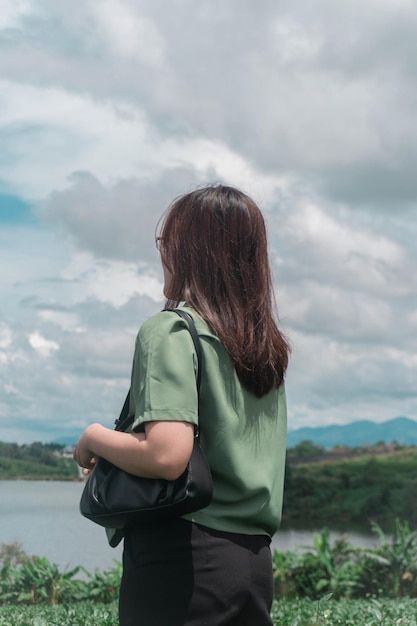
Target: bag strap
(196,340)
(124,417)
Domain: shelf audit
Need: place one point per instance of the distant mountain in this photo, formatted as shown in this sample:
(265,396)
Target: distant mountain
(70,440)
(362,433)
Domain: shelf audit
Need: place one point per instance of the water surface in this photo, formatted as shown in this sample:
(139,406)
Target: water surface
(43,517)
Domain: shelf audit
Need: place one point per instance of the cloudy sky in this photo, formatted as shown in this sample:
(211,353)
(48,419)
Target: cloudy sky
(109,111)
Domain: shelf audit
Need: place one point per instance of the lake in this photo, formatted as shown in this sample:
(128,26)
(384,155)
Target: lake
(43,517)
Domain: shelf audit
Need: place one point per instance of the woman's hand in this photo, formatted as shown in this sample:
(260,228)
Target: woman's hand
(83,454)
(86,473)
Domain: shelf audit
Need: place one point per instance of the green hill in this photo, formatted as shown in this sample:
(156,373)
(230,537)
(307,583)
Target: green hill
(36,461)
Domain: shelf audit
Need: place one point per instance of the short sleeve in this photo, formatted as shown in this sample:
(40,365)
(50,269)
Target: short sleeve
(163,386)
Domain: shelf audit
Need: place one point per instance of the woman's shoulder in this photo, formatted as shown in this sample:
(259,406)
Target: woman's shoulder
(159,322)
(167,321)
(159,333)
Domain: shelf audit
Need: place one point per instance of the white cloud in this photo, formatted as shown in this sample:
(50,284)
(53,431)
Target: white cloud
(331,311)
(339,380)
(404,358)
(111,110)
(114,282)
(11,12)
(129,34)
(70,132)
(66,320)
(115,141)
(44,346)
(5,336)
(293,42)
(329,245)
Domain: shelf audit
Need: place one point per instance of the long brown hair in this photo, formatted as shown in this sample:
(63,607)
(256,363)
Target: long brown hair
(213,240)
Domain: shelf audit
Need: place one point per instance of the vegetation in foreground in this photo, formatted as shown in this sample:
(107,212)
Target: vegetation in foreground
(34,580)
(323,585)
(329,612)
(300,612)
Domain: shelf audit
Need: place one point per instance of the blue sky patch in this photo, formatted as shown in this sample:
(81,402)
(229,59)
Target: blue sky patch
(14,210)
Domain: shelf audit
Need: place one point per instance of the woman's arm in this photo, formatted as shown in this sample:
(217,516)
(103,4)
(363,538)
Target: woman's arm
(162,451)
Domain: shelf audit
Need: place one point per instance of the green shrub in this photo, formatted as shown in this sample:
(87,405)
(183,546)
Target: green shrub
(103,587)
(321,570)
(34,580)
(390,569)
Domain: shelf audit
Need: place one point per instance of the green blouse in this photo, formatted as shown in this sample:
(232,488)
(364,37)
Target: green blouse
(243,437)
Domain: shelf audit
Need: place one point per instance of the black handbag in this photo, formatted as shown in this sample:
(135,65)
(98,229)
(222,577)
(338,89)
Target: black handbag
(116,499)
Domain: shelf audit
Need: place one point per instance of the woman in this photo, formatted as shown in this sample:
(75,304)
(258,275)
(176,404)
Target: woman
(212,567)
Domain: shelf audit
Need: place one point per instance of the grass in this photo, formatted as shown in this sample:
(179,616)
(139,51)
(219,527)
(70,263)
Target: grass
(302,612)
(82,614)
